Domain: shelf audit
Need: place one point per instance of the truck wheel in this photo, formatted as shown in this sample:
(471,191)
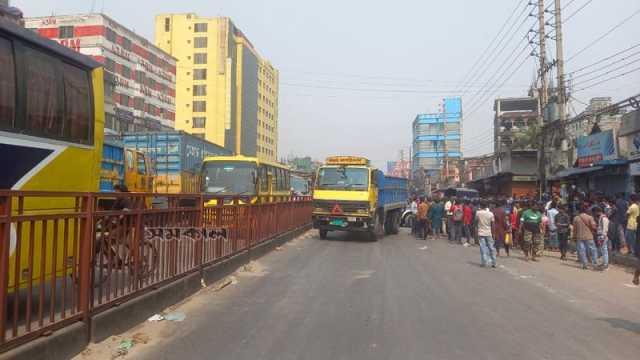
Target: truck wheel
(396,224)
(323,233)
(388,224)
(378,228)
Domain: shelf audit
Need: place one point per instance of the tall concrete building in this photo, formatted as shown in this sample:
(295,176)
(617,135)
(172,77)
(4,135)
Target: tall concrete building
(139,78)
(437,140)
(226,92)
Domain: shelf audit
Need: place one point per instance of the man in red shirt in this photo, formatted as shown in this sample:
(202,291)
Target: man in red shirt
(467,221)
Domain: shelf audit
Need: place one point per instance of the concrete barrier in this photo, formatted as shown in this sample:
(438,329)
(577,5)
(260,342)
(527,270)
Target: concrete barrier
(62,344)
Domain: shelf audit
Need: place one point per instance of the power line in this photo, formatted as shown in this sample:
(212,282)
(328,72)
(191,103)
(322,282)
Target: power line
(473,67)
(605,59)
(607,72)
(495,53)
(515,58)
(611,64)
(608,79)
(577,11)
(614,28)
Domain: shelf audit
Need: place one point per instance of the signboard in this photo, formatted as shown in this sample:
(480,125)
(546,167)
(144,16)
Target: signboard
(632,145)
(596,147)
(524,178)
(634,169)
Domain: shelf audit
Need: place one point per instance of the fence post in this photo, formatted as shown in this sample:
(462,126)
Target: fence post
(5,240)
(86,258)
(199,255)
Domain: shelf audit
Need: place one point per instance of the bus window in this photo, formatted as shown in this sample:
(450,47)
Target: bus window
(129,159)
(142,168)
(7,85)
(77,104)
(43,96)
(264,179)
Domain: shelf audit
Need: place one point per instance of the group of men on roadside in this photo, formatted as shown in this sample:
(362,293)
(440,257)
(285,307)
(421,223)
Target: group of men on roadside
(502,224)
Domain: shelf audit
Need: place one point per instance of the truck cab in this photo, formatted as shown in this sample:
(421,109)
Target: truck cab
(349,195)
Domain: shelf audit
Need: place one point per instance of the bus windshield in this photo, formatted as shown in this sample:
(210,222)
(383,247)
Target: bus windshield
(229,178)
(343,178)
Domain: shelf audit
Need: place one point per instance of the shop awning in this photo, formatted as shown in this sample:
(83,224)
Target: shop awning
(612,162)
(573,172)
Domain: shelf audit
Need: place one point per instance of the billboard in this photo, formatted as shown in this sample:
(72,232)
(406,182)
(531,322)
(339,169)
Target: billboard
(596,147)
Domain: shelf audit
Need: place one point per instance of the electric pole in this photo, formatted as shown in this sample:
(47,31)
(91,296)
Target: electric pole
(543,96)
(446,151)
(562,93)
(543,59)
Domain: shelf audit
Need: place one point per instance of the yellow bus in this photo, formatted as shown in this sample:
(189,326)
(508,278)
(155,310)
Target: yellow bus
(246,178)
(51,134)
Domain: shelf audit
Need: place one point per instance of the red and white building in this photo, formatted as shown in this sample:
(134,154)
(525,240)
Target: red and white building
(140,79)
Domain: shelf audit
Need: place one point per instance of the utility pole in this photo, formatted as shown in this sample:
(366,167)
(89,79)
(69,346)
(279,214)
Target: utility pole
(543,96)
(543,58)
(562,92)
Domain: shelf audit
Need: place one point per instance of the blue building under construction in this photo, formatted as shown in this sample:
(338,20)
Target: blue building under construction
(437,141)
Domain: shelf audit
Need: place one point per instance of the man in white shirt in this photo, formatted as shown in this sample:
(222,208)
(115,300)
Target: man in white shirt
(448,223)
(486,220)
(553,231)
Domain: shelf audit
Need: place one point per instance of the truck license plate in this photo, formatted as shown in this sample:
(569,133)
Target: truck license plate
(338,222)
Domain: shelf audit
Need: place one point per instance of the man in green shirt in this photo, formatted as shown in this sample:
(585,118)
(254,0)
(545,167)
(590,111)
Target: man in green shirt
(530,225)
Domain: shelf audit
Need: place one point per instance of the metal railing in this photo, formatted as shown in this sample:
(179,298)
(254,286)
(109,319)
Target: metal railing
(65,257)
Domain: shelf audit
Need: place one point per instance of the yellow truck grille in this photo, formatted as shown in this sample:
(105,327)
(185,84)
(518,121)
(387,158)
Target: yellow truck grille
(347,207)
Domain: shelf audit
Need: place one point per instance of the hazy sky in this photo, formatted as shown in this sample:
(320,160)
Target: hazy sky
(354,73)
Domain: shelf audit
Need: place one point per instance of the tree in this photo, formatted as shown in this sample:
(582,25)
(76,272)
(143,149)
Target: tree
(527,139)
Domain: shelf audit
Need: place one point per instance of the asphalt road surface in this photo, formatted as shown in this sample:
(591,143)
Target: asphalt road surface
(348,298)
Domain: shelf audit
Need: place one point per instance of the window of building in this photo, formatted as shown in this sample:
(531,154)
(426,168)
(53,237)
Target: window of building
(138,103)
(140,78)
(199,122)
(199,106)
(199,74)
(109,64)
(200,42)
(126,72)
(7,85)
(124,100)
(199,90)
(77,104)
(66,32)
(200,58)
(167,24)
(200,27)
(111,35)
(126,44)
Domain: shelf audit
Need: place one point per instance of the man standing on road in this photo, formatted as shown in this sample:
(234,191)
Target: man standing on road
(552,212)
(467,221)
(413,207)
(423,209)
(584,228)
(531,224)
(602,237)
(448,204)
(632,223)
(563,228)
(457,217)
(500,227)
(486,221)
(620,220)
(436,212)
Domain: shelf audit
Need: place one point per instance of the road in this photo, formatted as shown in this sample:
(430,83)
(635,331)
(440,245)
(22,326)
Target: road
(347,298)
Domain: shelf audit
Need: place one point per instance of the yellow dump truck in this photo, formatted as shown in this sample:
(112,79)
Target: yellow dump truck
(351,195)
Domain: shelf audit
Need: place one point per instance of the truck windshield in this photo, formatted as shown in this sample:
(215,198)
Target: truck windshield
(343,178)
(229,178)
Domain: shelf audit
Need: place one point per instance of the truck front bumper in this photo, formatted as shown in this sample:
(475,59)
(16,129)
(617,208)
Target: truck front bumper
(342,223)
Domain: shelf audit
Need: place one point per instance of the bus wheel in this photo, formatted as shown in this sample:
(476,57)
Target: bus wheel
(323,233)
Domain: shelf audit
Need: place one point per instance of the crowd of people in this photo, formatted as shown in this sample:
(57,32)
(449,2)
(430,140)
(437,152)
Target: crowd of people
(592,227)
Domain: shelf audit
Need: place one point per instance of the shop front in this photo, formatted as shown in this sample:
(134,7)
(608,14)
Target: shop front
(630,147)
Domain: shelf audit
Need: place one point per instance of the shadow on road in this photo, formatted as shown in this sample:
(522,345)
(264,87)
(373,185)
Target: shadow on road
(623,324)
(348,237)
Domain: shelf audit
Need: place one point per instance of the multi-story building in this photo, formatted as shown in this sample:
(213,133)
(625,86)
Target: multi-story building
(139,77)
(226,92)
(437,140)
